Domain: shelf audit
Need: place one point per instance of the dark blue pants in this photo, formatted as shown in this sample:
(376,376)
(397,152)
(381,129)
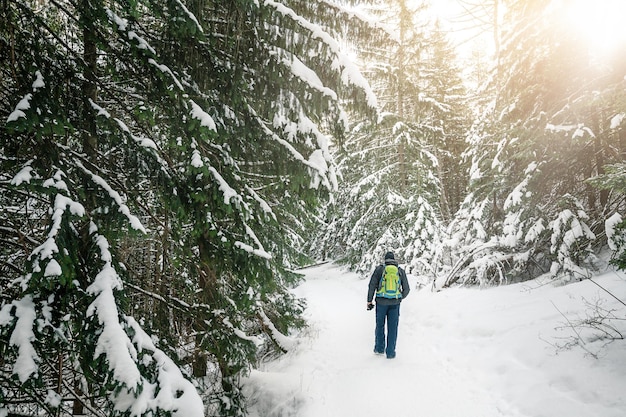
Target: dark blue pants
(390,314)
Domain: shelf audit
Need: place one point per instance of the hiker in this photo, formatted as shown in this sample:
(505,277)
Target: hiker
(390,285)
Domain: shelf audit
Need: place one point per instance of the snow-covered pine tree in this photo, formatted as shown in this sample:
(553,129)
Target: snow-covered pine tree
(392,199)
(446,110)
(533,147)
(151,151)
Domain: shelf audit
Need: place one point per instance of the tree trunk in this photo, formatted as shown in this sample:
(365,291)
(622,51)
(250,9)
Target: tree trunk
(622,143)
(599,156)
(89,90)
(400,95)
(496,35)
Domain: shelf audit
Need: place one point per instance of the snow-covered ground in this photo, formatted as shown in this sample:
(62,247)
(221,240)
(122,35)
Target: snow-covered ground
(461,353)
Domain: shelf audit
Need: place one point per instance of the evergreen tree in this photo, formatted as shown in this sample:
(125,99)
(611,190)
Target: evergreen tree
(153,154)
(530,209)
(394,169)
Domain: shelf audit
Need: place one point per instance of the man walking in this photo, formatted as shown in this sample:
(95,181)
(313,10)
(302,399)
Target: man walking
(391,286)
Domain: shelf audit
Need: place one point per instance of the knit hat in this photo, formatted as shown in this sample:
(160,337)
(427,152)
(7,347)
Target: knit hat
(389,255)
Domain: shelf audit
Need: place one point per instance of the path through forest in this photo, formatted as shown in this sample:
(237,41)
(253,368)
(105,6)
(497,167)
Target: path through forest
(448,364)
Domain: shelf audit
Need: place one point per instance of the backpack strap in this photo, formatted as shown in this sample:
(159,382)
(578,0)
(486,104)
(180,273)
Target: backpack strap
(382,275)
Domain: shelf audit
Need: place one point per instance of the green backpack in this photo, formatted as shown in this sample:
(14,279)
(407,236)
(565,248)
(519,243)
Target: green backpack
(389,286)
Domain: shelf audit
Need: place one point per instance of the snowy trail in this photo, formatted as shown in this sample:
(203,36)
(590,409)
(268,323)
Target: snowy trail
(447,364)
(339,374)
(348,379)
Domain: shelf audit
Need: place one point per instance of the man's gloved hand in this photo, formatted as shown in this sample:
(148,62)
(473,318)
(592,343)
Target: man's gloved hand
(370,306)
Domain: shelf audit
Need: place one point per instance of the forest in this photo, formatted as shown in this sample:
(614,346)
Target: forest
(167,166)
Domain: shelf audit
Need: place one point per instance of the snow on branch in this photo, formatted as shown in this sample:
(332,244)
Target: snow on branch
(204,117)
(122,25)
(171,392)
(520,191)
(516,220)
(143,142)
(616,120)
(316,162)
(264,205)
(61,204)
(260,251)
(307,75)
(113,342)
(610,226)
(569,240)
(444,107)
(24,103)
(286,343)
(39,82)
(579,130)
(24,175)
(257,252)
(175,394)
(238,332)
(366,18)
(45,251)
(22,335)
(101,111)
(228,192)
(123,208)
(253,236)
(230,195)
(166,70)
(302,125)
(350,73)
(141,43)
(374,178)
(190,15)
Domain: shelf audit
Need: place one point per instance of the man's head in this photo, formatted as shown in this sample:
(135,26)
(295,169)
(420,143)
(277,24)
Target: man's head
(389,255)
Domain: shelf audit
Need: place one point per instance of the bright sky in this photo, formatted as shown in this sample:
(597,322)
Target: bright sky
(464,31)
(600,22)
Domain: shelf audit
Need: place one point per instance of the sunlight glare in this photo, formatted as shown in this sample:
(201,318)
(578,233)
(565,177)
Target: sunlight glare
(601,23)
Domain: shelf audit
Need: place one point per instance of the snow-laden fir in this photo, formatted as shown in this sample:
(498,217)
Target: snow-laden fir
(509,351)
(154,200)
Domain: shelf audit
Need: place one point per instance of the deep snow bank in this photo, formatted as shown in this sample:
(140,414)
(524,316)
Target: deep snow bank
(461,353)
